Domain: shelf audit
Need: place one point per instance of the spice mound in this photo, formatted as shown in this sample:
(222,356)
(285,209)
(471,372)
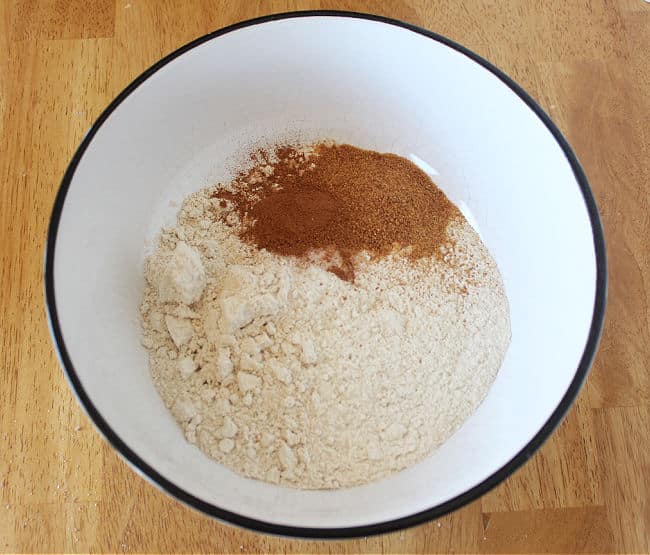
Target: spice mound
(339,200)
(325,319)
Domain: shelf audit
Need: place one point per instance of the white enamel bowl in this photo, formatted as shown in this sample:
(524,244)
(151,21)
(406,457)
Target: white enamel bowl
(378,84)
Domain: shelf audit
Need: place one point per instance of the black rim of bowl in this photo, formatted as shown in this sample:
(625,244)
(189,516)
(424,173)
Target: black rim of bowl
(345,532)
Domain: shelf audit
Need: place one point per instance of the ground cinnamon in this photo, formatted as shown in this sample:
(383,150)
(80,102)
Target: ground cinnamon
(337,202)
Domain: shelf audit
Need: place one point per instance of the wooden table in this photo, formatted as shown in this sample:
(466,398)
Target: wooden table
(63,489)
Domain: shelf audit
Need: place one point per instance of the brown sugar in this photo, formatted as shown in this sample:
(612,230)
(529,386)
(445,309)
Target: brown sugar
(338,201)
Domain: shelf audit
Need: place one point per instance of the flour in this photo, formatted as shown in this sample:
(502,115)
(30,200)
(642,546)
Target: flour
(285,373)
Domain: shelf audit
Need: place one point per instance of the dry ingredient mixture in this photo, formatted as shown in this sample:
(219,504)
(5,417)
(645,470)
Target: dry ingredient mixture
(325,319)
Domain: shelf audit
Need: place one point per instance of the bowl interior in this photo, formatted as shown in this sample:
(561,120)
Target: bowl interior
(367,83)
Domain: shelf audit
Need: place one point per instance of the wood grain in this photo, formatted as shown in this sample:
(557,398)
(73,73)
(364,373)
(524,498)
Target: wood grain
(63,489)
